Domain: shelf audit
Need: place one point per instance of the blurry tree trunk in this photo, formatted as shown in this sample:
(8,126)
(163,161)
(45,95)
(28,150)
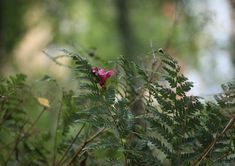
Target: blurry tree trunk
(128,41)
(12,27)
(124,28)
(232,45)
(2,54)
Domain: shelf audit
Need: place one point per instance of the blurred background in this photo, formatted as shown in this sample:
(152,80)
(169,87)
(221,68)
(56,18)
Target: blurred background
(199,34)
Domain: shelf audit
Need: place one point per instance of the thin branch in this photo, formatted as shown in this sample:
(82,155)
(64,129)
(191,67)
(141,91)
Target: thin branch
(226,153)
(217,138)
(36,120)
(84,145)
(57,124)
(19,138)
(54,59)
(156,65)
(69,147)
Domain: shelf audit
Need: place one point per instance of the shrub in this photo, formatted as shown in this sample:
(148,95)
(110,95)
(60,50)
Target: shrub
(102,124)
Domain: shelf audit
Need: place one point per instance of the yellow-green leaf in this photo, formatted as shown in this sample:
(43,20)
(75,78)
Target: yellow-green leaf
(43,101)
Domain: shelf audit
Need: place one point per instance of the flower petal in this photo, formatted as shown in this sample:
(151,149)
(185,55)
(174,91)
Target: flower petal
(94,70)
(102,75)
(109,73)
(101,72)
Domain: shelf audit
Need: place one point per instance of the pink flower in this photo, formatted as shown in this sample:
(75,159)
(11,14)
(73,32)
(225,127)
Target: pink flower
(95,70)
(102,75)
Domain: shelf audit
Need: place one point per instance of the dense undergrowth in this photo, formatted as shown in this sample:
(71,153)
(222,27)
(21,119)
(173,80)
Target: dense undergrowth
(100,125)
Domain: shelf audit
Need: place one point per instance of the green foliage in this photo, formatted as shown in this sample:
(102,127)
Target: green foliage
(16,126)
(100,126)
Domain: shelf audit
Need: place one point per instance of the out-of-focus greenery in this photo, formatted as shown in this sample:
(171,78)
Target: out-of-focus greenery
(97,125)
(44,124)
(106,28)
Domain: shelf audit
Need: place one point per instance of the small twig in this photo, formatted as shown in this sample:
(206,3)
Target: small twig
(19,138)
(84,144)
(156,64)
(69,147)
(54,59)
(36,120)
(226,153)
(12,151)
(210,147)
(57,124)
(141,94)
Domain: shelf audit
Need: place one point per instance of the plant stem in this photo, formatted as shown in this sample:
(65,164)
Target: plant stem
(210,147)
(19,138)
(73,141)
(226,153)
(36,120)
(55,137)
(84,144)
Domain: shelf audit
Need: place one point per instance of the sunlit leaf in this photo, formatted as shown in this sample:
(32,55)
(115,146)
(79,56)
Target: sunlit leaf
(43,101)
